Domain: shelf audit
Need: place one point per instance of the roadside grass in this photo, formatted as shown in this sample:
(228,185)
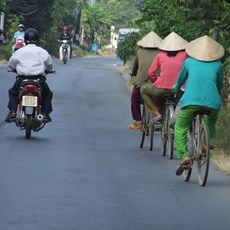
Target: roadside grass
(221,153)
(126,69)
(222,141)
(221,160)
(80,51)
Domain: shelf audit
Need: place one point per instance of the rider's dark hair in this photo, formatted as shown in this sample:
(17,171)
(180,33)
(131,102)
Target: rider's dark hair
(31,36)
(172,53)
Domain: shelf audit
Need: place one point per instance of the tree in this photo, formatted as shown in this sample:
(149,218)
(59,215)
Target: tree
(96,22)
(188,20)
(25,7)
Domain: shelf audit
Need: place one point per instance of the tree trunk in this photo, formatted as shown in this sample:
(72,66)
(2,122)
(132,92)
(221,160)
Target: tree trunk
(78,28)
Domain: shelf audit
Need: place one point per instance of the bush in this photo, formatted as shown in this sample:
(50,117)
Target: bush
(128,47)
(5,52)
(223,136)
(80,51)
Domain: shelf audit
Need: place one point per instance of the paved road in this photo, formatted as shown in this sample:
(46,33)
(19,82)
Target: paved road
(85,171)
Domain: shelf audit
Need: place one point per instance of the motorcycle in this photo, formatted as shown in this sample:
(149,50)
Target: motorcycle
(19,44)
(29,115)
(65,51)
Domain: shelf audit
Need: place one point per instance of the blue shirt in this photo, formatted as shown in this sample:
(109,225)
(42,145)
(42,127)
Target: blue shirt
(203,83)
(19,34)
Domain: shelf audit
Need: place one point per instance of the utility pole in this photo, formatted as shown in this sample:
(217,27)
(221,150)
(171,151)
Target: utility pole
(2,20)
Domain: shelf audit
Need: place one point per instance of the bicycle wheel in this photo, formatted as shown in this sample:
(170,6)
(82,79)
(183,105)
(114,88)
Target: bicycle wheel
(163,140)
(164,132)
(64,56)
(187,173)
(144,127)
(150,136)
(170,132)
(190,145)
(203,158)
(170,145)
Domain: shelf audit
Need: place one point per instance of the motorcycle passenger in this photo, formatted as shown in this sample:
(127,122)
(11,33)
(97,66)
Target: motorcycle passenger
(66,35)
(169,61)
(31,62)
(19,35)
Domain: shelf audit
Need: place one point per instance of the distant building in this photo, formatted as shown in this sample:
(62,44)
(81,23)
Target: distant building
(125,32)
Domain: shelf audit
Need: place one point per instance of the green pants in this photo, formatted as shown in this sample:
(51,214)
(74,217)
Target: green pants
(183,123)
(152,96)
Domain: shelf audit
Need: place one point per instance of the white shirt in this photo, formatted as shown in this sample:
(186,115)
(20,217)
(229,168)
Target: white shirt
(30,60)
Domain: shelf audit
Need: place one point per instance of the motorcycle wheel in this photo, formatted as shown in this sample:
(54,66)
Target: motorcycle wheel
(28,126)
(65,57)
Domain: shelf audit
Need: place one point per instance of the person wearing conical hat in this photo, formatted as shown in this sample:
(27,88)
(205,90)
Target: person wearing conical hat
(202,74)
(147,51)
(169,62)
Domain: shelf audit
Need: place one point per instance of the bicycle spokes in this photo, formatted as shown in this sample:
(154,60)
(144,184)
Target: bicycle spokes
(199,150)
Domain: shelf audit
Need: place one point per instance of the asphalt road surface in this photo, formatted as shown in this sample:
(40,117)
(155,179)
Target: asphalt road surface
(85,170)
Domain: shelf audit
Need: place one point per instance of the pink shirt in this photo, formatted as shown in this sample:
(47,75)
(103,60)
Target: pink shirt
(169,69)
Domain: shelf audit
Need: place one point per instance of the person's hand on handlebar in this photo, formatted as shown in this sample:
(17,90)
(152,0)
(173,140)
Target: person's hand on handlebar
(50,71)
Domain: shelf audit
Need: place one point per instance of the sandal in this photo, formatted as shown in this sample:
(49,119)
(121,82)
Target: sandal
(11,117)
(181,167)
(135,127)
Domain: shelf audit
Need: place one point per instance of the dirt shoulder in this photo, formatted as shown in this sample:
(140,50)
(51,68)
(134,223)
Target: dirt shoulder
(221,160)
(3,62)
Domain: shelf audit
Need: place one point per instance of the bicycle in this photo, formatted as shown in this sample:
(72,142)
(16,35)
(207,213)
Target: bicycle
(171,102)
(167,134)
(199,149)
(147,128)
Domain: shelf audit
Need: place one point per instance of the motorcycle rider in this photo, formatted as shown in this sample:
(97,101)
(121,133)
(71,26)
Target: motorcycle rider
(65,35)
(30,61)
(19,35)
(2,38)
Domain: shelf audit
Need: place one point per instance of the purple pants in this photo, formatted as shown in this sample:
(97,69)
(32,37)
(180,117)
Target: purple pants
(136,104)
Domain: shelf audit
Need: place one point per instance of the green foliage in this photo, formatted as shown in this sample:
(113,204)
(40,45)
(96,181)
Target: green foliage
(80,51)
(48,17)
(96,21)
(223,124)
(124,13)
(5,52)
(128,47)
(190,21)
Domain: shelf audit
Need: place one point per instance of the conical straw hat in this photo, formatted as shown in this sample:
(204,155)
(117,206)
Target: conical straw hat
(173,42)
(205,49)
(151,40)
